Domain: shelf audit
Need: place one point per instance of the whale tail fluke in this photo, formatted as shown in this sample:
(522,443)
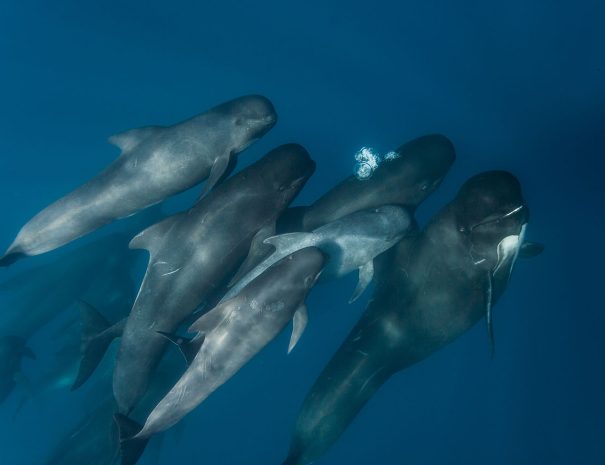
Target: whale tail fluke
(131,448)
(97,335)
(11,257)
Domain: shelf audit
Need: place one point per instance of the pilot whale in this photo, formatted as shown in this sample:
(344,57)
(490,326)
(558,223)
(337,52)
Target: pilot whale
(407,180)
(156,162)
(192,252)
(230,335)
(432,287)
(350,242)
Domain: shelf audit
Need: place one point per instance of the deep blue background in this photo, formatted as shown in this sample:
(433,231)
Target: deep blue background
(515,85)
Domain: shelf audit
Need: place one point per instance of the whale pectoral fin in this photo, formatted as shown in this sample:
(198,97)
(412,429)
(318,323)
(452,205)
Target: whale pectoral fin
(530,249)
(219,168)
(189,347)
(299,323)
(258,252)
(151,238)
(366,274)
(128,140)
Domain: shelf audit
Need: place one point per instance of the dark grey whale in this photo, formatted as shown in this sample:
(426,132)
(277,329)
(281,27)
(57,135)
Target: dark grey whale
(407,181)
(193,252)
(231,334)
(432,287)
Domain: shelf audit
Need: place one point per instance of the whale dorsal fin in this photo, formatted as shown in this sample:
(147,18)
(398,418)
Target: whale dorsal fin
(150,239)
(189,347)
(288,243)
(366,274)
(210,320)
(299,323)
(128,140)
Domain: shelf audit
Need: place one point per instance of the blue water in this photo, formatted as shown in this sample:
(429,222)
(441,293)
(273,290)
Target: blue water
(515,85)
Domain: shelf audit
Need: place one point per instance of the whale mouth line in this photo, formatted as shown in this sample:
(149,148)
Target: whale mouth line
(499,218)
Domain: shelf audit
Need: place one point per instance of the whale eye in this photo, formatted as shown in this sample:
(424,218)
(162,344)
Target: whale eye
(424,187)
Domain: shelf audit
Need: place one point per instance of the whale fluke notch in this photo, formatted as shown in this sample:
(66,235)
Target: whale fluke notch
(97,335)
(189,347)
(131,448)
(128,140)
(530,249)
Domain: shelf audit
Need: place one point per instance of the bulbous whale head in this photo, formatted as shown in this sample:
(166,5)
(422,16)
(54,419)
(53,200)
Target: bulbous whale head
(284,171)
(491,211)
(250,118)
(420,168)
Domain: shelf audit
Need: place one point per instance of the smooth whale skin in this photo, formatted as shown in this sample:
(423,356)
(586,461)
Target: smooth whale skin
(350,242)
(156,162)
(191,253)
(235,331)
(432,288)
(406,181)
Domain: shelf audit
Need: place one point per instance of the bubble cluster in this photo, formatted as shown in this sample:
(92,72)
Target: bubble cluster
(367,162)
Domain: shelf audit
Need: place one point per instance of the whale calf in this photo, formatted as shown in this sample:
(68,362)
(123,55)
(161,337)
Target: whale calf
(431,288)
(231,334)
(406,180)
(192,252)
(156,162)
(350,242)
